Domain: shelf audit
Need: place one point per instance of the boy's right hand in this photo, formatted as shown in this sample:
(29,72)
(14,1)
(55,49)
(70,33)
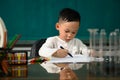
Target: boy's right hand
(61,53)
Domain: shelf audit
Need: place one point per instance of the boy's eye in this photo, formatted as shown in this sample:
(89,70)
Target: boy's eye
(69,31)
(66,31)
(73,32)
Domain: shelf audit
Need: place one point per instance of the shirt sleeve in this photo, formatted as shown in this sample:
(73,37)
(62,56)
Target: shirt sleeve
(48,48)
(83,48)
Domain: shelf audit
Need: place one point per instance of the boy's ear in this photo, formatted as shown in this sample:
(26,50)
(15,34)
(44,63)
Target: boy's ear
(57,26)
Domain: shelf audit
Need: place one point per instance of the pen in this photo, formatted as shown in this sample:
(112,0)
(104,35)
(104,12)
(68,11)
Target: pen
(68,53)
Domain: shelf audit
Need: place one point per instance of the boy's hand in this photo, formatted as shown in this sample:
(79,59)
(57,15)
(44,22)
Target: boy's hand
(61,53)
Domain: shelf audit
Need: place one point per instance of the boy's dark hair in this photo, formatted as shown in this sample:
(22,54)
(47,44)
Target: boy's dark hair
(69,15)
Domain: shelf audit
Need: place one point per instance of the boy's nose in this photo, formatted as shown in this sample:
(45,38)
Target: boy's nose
(69,35)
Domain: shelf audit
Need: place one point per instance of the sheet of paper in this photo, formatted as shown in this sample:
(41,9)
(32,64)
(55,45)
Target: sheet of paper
(75,59)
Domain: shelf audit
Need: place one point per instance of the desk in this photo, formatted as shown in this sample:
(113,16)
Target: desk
(91,71)
(34,72)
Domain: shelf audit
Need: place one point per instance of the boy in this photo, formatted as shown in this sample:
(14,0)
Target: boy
(59,46)
(67,25)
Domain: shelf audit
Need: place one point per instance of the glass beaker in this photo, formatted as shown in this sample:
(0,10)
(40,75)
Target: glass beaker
(92,38)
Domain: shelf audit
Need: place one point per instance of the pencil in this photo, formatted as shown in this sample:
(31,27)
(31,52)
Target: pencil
(68,53)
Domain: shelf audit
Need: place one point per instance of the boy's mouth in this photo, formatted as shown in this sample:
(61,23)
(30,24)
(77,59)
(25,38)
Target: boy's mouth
(67,40)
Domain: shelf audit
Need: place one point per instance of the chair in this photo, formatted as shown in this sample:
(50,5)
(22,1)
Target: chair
(35,48)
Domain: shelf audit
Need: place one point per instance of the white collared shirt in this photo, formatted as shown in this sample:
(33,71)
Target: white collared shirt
(52,44)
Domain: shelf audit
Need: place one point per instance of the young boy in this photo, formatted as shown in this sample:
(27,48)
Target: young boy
(67,25)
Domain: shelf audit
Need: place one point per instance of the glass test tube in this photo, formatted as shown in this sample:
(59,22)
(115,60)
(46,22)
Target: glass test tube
(111,36)
(117,39)
(112,42)
(115,42)
(103,40)
(95,33)
(90,38)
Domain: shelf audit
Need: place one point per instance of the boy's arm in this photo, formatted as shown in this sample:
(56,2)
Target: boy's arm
(83,48)
(46,51)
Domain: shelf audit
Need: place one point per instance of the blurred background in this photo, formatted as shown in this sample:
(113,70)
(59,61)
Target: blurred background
(36,19)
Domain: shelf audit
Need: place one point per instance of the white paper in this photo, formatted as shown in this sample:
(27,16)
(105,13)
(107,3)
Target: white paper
(74,59)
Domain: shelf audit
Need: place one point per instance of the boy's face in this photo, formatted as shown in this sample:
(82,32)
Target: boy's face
(67,30)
